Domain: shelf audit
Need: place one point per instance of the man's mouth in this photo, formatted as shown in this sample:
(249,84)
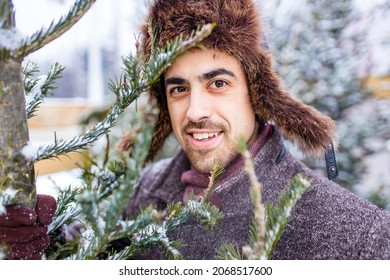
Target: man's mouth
(205,140)
(204,136)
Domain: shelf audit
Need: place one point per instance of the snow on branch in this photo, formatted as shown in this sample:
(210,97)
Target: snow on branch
(277,216)
(7,196)
(269,221)
(37,89)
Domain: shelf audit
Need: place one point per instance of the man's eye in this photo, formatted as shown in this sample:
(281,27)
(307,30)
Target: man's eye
(218,84)
(178,90)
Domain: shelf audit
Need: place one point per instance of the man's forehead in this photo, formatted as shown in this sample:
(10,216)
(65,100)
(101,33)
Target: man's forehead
(203,64)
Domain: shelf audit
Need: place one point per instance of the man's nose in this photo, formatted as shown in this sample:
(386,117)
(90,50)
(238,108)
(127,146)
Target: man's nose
(200,106)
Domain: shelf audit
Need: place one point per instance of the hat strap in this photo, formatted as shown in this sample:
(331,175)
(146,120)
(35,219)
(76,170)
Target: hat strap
(330,160)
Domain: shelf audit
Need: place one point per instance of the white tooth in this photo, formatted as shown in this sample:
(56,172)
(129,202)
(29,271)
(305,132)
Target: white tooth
(197,136)
(202,136)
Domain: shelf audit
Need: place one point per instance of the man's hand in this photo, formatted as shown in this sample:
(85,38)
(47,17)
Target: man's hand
(24,230)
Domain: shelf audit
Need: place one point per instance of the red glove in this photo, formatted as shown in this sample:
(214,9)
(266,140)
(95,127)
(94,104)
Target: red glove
(24,231)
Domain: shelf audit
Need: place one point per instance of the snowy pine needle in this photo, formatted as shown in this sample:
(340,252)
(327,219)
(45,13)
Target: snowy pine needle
(277,216)
(215,173)
(259,210)
(269,221)
(66,210)
(228,252)
(37,89)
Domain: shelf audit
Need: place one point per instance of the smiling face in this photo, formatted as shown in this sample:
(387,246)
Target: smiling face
(209,106)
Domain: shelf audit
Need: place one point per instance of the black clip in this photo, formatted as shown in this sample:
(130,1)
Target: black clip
(330,160)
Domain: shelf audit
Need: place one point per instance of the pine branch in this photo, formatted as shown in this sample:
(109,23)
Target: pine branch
(127,90)
(259,210)
(152,235)
(55,30)
(162,59)
(215,173)
(120,198)
(63,230)
(105,225)
(93,215)
(7,14)
(269,221)
(157,233)
(29,71)
(152,228)
(209,215)
(277,216)
(37,89)
(146,216)
(149,228)
(3,251)
(66,210)
(106,181)
(228,252)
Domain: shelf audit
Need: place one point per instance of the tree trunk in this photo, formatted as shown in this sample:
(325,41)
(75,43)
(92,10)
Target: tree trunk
(16,171)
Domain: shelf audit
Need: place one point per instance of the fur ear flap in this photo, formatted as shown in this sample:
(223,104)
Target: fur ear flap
(303,124)
(300,123)
(162,129)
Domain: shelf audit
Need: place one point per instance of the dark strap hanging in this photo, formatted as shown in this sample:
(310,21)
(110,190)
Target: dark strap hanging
(330,160)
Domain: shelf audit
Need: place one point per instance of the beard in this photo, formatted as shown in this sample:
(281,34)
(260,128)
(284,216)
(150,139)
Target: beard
(204,160)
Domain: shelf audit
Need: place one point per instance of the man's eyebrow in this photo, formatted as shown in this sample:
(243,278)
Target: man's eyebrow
(216,72)
(175,81)
(206,76)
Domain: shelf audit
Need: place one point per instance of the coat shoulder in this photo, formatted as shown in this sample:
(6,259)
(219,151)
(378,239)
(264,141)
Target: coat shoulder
(331,222)
(328,221)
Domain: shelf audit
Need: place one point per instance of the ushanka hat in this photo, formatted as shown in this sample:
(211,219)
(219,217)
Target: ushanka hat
(238,32)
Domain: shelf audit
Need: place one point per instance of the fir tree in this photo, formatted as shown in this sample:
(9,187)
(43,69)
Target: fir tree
(17,170)
(318,48)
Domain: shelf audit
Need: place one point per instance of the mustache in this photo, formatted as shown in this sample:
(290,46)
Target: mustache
(204,124)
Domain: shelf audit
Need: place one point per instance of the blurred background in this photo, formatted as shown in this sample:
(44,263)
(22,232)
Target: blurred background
(334,55)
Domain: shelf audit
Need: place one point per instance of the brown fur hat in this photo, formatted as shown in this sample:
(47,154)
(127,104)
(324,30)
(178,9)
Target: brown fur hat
(239,33)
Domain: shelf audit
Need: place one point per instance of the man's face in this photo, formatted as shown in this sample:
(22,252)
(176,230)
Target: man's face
(209,106)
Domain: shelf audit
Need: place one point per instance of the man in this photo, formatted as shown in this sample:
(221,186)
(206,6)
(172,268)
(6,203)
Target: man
(212,95)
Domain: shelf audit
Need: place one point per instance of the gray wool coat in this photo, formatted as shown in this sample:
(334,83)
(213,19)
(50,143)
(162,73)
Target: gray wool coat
(328,222)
